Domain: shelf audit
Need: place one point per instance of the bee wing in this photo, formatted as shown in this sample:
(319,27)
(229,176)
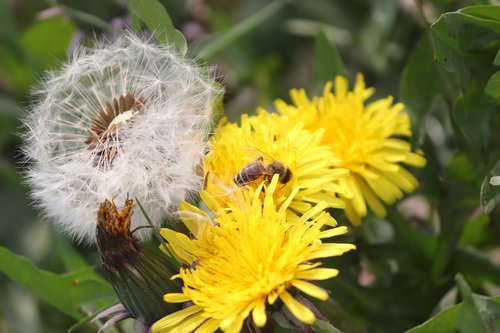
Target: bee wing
(256,153)
(267,156)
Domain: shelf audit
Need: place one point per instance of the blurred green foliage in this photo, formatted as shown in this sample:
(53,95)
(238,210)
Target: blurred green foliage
(437,57)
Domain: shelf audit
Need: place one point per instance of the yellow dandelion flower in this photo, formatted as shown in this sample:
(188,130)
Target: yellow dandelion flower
(252,258)
(368,138)
(241,157)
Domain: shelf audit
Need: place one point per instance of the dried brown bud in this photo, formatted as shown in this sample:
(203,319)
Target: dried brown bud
(139,276)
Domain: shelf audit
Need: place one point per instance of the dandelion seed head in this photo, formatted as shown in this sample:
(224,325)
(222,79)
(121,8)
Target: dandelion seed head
(124,117)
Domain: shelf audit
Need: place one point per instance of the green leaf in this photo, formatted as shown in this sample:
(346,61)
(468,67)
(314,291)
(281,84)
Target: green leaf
(157,20)
(17,70)
(208,49)
(475,265)
(474,119)
(478,313)
(443,322)
(41,46)
(67,292)
(493,87)
(476,232)
(328,62)
(321,326)
(490,194)
(420,86)
(456,37)
(462,168)
(483,12)
(86,18)
(466,43)
(46,52)
(89,15)
(71,258)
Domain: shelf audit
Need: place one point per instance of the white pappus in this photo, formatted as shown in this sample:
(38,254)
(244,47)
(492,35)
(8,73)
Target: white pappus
(125,118)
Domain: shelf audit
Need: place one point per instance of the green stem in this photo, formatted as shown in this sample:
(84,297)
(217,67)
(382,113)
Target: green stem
(87,18)
(158,236)
(222,41)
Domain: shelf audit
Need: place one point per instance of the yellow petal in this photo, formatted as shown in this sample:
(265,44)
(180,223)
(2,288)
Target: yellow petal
(305,267)
(288,201)
(300,206)
(208,326)
(182,246)
(234,326)
(259,313)
(317,274)
(384,189)
(176,298)
(373,201)
(192,217)
(319,208)
(332,201)
(352,214)
(310,289)
(385,167)
(337,188)
(312,182)
(403,179)
(299,310)
(175,318)
(333,232)
(326,219)
(190,324)
(415,160)
(331,250)
(357,201)
(397,144)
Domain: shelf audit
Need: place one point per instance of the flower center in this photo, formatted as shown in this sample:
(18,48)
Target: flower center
(104,133)
(122,119)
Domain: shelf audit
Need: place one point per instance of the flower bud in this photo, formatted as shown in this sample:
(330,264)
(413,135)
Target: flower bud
(139,276)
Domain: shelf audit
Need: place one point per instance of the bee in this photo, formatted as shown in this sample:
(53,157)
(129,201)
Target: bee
(258,168)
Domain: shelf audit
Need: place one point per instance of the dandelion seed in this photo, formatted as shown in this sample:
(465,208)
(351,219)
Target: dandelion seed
(495,180)
(251,263)
(369,139)
(124,117)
